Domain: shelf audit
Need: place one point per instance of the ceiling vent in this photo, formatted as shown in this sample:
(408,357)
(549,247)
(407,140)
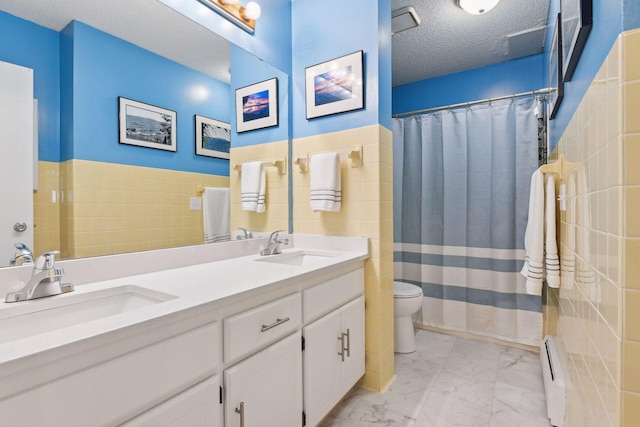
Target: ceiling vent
(404,19)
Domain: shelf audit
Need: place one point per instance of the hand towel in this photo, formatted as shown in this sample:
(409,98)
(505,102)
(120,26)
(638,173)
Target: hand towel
(215,214)
(569,256)
(533,268)
(326,192)
(552,265)
(253,187)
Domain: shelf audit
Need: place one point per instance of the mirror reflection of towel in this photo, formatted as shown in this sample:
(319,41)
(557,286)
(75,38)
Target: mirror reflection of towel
(326,192)
(215,214)
(253,187)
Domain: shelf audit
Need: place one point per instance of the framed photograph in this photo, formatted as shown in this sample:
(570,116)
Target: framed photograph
(577,19)
(213,138)
(556,82)
(335,86)
(146,125)
(257,106)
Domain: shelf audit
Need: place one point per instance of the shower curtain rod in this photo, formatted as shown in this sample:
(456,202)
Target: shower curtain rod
(480,101)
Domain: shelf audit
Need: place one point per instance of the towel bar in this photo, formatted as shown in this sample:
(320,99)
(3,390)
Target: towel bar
(281,165)
(354,155)
(560,167)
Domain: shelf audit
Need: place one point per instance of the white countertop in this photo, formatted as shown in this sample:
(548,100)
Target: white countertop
(197,289)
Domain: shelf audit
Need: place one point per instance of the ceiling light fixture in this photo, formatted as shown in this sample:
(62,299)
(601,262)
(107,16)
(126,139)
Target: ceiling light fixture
(477,7)
(243,16)
(404,19)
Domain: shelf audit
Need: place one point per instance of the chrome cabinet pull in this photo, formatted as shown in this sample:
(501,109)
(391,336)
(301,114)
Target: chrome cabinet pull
(341,352)
(241,412)
(265,328)
(348,349)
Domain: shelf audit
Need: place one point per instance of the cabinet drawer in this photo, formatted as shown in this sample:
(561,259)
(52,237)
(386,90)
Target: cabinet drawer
(112,392)
(253,329)
(321,299)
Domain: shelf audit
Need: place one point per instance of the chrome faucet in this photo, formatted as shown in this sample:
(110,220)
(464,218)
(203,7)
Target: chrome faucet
(273,245)
(23,254)
(247,234)
(44,282)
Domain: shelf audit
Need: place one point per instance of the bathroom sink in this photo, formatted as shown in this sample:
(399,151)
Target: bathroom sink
(28,318)
(297,258)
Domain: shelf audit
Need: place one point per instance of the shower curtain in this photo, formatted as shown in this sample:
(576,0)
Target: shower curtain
(461,194)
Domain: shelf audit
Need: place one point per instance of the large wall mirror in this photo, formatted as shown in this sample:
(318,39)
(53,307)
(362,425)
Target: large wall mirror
(95,194)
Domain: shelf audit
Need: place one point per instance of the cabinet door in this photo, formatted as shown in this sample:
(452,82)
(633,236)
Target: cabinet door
(198,406)
(265,390)
(353,327)
(321,366)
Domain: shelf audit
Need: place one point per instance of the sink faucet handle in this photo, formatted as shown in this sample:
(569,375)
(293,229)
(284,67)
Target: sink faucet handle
(46,261)
(22,255)
(274,235)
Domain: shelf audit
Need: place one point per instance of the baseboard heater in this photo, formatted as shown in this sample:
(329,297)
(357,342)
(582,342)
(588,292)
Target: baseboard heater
(554,385)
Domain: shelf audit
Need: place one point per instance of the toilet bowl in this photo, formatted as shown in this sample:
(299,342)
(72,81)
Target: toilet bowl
(407,300)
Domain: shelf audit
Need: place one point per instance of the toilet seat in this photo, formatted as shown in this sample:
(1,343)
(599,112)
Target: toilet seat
(406,290)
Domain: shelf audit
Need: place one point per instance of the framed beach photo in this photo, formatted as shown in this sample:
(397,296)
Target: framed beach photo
(257,106)
(146,125)
(212,137)
(577,19)
(556,83)
(335,86)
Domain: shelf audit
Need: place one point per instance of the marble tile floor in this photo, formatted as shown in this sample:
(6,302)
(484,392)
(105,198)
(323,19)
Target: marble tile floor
(451,381)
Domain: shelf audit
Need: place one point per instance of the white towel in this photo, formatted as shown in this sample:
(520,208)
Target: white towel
(569,256)
(215,214)
(533,268)
(552,264)
(253,187)
(326,192)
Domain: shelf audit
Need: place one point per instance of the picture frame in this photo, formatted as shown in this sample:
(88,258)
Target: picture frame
(212,137)
(577,20)
(257,106)
(146,125)
(335,86)
(556,81)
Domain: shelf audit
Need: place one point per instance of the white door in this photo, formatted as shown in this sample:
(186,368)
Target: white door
(16,158)
(198,406)
(265,390)
(353,327)
(322,366)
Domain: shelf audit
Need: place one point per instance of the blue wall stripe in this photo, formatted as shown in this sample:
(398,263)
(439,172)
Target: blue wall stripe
(507,301)
(501,265)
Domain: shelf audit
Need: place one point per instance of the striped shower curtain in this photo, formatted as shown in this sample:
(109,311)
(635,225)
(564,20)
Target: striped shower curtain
(461,193)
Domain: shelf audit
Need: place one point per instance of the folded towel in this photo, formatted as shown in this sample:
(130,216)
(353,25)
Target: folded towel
(215,214)
(326,193)
(569,256)
(252,187)
(552,265)
(533,268)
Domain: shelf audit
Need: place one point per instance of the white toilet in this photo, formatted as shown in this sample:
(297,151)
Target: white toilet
(407,300)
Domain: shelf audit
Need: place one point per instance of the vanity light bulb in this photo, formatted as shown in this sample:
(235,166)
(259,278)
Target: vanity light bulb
(477,7)
(252,11)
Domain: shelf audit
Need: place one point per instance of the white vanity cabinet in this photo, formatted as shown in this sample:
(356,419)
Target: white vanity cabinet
(265,390)
(334,344)
(333,358)
(199,406)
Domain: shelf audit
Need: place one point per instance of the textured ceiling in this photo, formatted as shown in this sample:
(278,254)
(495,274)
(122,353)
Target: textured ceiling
(450,40)
(447,41)
(145,23)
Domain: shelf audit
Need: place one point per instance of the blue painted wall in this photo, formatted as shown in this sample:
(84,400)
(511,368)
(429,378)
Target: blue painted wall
(610,18)
(271,40)
(105,67)
(29,45)
(246,69)
(506,78)
(325,30)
